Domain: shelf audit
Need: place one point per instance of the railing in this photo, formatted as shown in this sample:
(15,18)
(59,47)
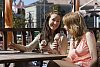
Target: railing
(23,31)
(32,31)
(14,31)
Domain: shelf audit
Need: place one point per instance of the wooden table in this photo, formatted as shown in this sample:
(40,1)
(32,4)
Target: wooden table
(16,56)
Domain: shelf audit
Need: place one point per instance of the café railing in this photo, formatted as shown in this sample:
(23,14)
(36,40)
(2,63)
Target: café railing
(14,34)
(23,31)
(32,31)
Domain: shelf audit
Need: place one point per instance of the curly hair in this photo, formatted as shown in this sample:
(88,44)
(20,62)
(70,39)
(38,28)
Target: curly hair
(76,21)
(46,31)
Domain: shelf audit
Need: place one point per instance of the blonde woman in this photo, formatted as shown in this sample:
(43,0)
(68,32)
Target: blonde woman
(82,51)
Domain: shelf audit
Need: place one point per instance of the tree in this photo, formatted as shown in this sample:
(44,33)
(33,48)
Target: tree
(19,19)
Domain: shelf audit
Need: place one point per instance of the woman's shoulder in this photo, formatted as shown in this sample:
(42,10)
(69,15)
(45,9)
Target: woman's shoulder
(89,34)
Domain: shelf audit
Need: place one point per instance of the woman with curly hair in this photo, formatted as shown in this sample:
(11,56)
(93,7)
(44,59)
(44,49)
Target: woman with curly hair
(82,51)
(45,39)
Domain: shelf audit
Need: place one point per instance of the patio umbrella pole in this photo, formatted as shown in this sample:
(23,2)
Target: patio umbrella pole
(8,20)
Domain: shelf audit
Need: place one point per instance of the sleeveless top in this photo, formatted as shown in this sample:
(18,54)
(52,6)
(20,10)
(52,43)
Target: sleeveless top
(81,55)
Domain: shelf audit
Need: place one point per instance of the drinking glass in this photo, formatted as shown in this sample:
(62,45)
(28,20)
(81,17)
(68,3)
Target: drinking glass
(41,45)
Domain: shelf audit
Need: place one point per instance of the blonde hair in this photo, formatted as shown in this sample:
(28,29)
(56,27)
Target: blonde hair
(76,20)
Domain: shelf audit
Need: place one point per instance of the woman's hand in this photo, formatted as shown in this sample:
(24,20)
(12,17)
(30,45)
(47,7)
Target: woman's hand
(43,45)
(11,45)
(51,51)
(46,48)
(17,47)
(57,41)
(54,46)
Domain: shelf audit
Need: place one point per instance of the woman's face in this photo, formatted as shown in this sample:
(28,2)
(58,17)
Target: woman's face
(70,30)
(54,21)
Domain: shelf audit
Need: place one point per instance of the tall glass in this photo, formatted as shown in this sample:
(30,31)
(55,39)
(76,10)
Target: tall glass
(42,45)
(56,43)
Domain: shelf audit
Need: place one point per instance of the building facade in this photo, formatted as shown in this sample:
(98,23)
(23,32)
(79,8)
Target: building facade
(35,12)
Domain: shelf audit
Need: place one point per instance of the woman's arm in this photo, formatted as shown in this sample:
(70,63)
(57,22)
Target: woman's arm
(28,47)
(17,47)
(64,44)
(59,46)
(92,47)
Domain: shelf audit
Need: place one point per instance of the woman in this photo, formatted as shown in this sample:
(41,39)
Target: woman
(52,26)
(82,51)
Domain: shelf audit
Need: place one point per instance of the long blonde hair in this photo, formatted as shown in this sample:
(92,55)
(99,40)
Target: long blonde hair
(76,20)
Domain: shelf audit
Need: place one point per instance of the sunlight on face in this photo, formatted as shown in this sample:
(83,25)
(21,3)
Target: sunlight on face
(70,29)
(54,21)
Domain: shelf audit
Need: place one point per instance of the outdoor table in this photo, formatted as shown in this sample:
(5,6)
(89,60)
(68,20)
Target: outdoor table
(8,57)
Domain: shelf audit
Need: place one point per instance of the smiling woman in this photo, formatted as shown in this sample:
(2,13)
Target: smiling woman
(45,38)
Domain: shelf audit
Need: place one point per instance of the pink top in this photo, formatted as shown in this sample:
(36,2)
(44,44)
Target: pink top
(81,55)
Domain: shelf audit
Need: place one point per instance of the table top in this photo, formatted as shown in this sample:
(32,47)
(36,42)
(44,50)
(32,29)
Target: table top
(16,56)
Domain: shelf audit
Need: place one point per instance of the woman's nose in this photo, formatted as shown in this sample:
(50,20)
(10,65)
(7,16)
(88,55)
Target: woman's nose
(55,22)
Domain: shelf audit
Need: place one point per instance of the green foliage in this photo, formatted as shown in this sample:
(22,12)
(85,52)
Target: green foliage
(56,8)
(18,21)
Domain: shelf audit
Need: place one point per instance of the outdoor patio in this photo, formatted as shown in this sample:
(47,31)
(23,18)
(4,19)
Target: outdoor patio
(10,34)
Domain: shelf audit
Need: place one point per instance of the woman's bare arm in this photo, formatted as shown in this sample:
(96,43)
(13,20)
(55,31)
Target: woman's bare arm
(64,44)
(92,46)
(28,47)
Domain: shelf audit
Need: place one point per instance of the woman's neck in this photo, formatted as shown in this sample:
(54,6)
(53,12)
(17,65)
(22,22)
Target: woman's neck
(52,32)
